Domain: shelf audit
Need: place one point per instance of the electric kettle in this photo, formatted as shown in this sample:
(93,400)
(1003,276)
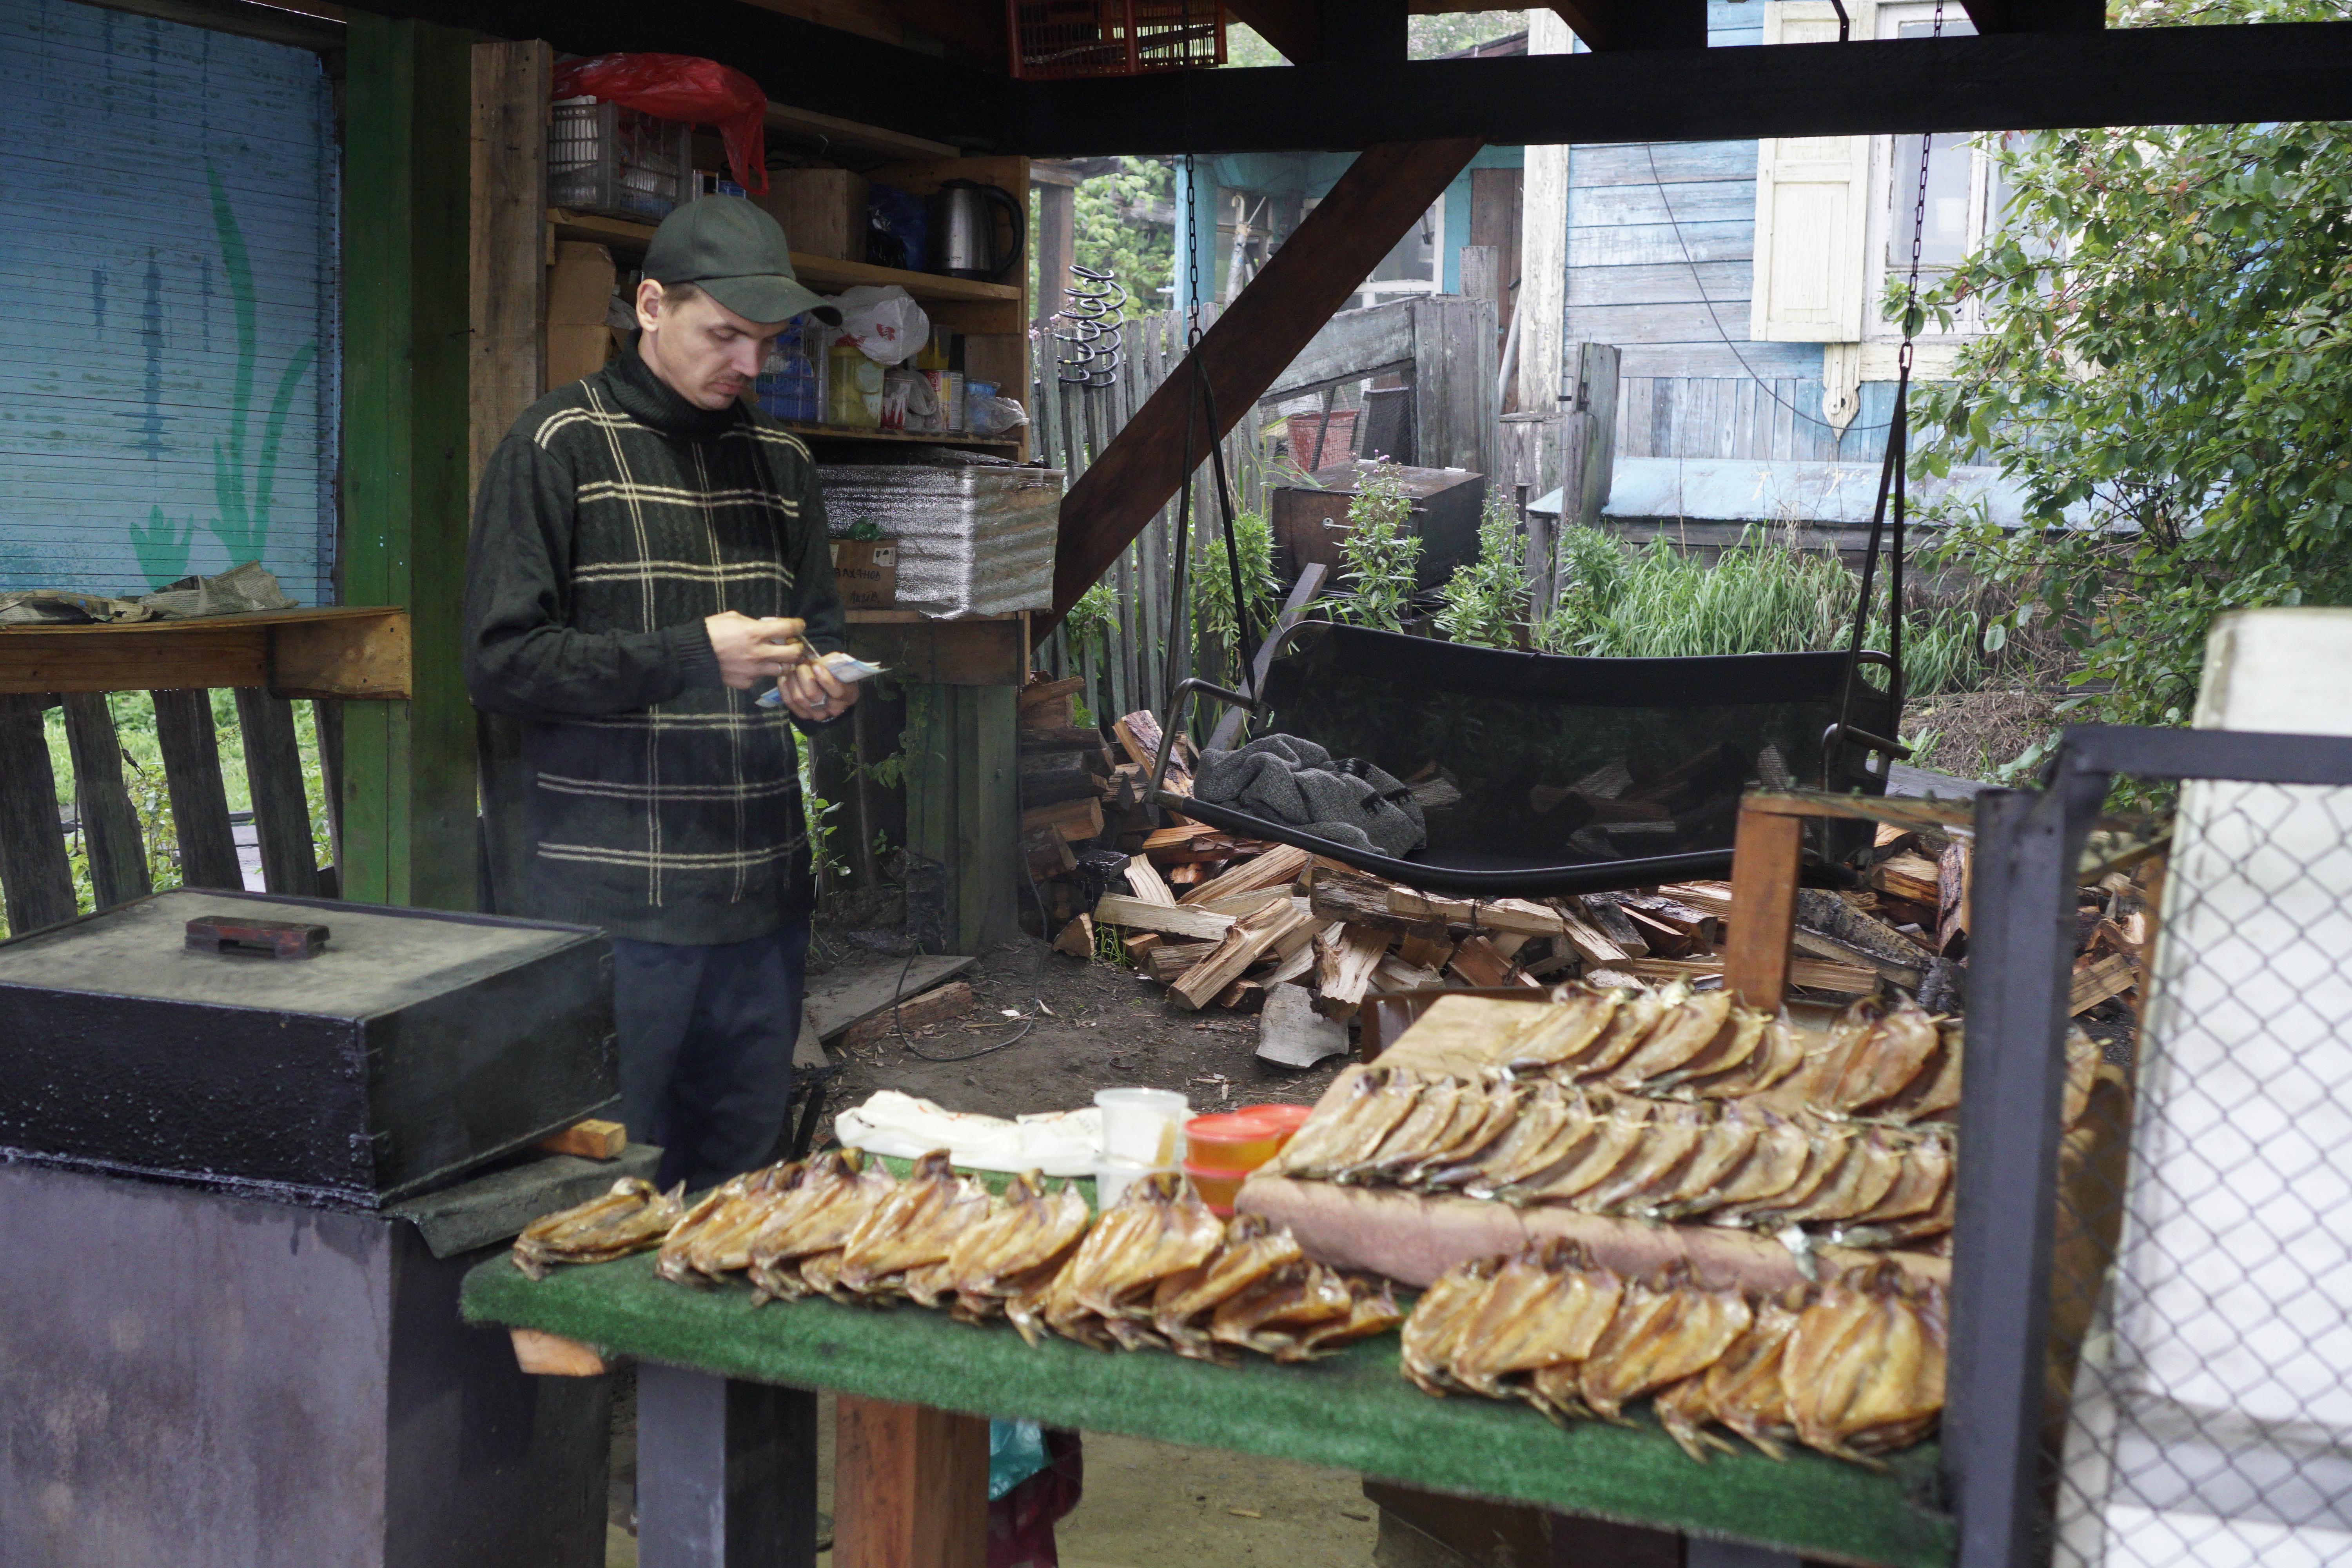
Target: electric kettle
(965,232)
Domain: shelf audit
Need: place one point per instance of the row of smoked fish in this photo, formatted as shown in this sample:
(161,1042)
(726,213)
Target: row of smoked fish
(1156,1271)
(1854,1367)
(1852,1159)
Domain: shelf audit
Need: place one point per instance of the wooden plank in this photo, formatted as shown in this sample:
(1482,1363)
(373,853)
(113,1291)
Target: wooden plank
(282,812)
(836,1001)
(36,875)
(1955,817)
(1766,858)
(989,823)
(109,822)
(409,826)
(594,1139)
(1169,920)
(950,1001)
(1478,963)
(2096,981)
(1348,347)
(910,1486)
(357,652)
(192,775)
(506,284)
(1384,194)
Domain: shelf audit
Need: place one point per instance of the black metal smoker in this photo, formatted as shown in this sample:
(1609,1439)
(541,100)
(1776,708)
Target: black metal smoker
(243,1143)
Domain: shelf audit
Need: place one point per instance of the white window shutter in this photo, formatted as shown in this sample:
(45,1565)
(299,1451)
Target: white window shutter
(1812,195)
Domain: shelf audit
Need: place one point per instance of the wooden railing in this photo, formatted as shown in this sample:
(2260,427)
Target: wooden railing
(270,660)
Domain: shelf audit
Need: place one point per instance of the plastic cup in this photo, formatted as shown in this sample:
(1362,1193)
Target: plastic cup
(1113,1177)
(1142,1126)
(1217,1188)
(1235,1142)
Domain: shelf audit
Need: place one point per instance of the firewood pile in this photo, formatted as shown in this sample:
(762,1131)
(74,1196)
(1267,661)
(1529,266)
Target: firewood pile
(1253,927)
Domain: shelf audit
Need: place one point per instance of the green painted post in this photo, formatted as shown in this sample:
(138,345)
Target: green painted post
(932,791)
(409,833)
(989,817)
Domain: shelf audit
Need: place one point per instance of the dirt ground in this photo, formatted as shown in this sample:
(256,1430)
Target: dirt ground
(1090,1025)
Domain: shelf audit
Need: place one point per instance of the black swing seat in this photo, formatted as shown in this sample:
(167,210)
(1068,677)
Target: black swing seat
(1541,774)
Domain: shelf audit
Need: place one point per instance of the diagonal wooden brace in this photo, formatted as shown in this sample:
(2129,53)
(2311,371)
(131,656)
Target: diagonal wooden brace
(1381,195)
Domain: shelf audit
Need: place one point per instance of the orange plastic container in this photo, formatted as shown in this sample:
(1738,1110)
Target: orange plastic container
(1232,1142)
(1217,1188)
(1289,1118)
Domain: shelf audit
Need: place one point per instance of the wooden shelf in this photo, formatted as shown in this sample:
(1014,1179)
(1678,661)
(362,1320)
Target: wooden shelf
(814,270)
(932,437)
(351,651)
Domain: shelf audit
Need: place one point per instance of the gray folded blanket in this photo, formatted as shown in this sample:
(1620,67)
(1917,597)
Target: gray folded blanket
(1287,780)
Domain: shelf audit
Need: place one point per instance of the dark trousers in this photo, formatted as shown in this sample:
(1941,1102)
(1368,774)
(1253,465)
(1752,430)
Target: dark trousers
(706,1039)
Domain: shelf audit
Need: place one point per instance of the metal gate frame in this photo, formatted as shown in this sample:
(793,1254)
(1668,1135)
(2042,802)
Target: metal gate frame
(2028,845)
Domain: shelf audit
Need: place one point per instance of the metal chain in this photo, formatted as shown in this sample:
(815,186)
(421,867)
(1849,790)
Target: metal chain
(1918,230)
(1192,253)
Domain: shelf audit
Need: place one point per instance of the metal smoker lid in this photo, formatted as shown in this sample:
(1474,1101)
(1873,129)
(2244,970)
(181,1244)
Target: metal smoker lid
(376,960)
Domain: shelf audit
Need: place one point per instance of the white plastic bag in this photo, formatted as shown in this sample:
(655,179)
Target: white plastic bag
(995,416)
(883,321)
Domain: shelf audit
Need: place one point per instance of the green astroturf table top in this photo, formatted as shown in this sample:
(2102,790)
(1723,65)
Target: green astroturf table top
(1354,1411)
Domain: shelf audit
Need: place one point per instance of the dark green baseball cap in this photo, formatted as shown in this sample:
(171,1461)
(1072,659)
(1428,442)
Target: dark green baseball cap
(735,252)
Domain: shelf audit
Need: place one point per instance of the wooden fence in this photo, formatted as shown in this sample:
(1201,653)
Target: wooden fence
(1127,668)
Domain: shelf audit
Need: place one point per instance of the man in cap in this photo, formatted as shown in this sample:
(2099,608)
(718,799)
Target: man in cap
(648,556)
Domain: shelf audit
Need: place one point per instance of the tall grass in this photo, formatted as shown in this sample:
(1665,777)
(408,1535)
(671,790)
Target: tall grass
(1763,596)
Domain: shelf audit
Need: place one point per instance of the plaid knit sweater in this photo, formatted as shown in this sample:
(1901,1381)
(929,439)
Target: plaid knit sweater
(611,520)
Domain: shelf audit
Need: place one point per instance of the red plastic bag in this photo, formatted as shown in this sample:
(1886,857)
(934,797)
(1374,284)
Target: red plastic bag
(683,87)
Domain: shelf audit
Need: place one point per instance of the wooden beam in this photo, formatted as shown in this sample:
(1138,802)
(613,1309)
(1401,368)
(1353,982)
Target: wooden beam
(192,772)
(1637,24)
(35,879)
(910,1486)
(1364,31)
(2037,15)
(409,818)
(508,307)
(1293,27)
(2240,73)
(110,824)
(1381,195)
(1766,858)
(360,652)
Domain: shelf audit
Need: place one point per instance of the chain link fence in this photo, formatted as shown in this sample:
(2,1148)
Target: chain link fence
(2191,1282)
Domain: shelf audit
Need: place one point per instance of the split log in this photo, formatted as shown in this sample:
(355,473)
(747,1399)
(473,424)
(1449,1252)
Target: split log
(590,1139)
(1053,776)
(1167,919)
(1344,966)
(1658,937)
(1276,868)
(1426,951)
(1188,875)
(1299,962)
(1394,974)
(1077,821)
(1241,946)
(1588,940)
(1478,965)
(1077,938)
(1362,900)
(1171,961)
(1138,737)
(1912,878)
(932,1007)
(1813,974)
(2099,979)
(1240,904)
(1601,911)
(1952,899)
(1141,943)
(1242,996)
(1523,915)
(1291,1034)
(1143,880)
(1041,700)
(1707,898)
(1048,854)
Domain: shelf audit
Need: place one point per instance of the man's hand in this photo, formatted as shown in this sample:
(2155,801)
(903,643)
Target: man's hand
(811,691)
(753,653)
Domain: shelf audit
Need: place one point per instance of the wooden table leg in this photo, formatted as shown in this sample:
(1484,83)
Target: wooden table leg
(727,1472)
(910,1486)
(1766,859)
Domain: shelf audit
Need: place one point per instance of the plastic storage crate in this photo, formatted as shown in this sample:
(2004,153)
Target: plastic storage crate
(603,158)
(1063,38)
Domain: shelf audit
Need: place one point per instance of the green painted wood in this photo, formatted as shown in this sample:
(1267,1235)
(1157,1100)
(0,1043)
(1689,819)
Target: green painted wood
(35,876)
(931,750)
(408,816)
(1353,1410)
(109,822)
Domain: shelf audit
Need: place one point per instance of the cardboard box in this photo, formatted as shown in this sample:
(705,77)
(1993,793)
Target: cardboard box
(579,284)
(866,572)
(574,352)
(822,211)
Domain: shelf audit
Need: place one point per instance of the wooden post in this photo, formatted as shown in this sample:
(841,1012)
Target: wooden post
(409,830)
(1543,245)
(1766,858)
(507,371)
(190,750)
(1384,194)
(1056,241)
(963,810)
(35,874)
(118,851)
(1593,428)
(281,811)
(910,1486)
